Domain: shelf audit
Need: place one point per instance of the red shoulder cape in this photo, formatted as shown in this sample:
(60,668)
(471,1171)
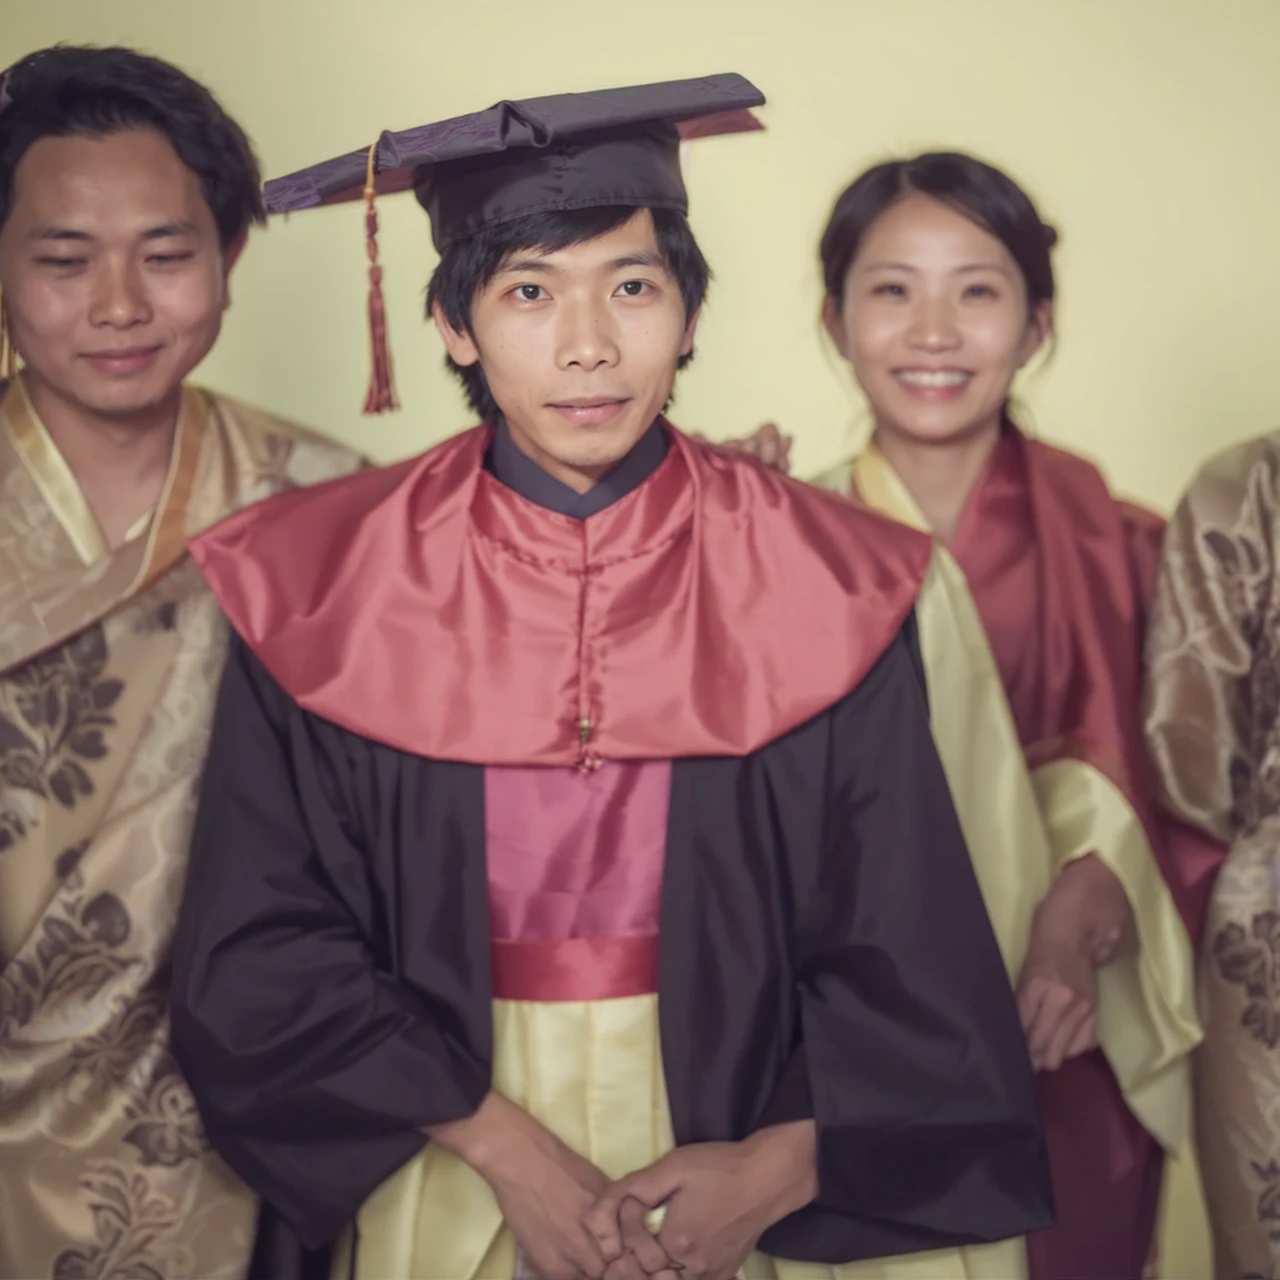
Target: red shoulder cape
(1099,558)
(428,607)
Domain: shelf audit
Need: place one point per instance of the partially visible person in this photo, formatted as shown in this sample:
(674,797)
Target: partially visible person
(1212,719)
(126,195)
(939,289)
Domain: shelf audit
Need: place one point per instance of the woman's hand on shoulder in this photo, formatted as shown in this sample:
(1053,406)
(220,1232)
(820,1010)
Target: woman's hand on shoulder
(766,445)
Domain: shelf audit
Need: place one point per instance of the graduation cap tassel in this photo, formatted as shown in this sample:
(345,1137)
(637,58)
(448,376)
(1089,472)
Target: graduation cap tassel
(381,395)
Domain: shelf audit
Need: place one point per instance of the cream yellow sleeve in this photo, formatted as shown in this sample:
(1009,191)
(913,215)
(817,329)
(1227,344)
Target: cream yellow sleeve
(982,757)
(1022,829)
(1147,1020)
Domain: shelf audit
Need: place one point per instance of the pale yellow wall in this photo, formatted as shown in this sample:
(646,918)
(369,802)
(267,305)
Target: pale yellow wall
(1149,130)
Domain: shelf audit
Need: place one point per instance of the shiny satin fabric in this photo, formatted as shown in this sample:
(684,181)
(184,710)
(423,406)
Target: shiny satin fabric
(47,583)
(109,663)
(675,623)
(1022,827)
(1043,527)
(592,1073)
(822,880)
(1212,719)
(575,879)
(573,856)
(568,853)
(1052,617)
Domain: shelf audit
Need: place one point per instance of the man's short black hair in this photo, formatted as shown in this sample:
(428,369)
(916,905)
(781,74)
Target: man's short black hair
(468,265)
(68,91)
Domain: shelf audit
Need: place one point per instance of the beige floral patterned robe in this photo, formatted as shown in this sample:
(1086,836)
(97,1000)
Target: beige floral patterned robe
(109,665)
(1213,727)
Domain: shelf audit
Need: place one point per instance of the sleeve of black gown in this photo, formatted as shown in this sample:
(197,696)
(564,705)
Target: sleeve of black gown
(918,1076)
(312,1068)
(791,1099)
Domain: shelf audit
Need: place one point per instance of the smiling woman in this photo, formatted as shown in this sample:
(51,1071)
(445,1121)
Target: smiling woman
(939,288)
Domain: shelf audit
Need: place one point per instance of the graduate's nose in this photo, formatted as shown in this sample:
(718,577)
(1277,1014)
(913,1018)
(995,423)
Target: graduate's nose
(934,325)
(119,298)
(587,337)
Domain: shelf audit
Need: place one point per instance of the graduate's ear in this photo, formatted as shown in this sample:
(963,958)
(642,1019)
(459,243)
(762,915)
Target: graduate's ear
(1039,327)
(460,345)
(230,256)
(833,323)
(691,329)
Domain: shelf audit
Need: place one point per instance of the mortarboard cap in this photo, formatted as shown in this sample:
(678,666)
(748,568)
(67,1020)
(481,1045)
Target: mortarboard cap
(614,147)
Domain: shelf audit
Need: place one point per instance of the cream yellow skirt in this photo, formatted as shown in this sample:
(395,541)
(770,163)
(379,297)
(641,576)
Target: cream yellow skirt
(592,1073)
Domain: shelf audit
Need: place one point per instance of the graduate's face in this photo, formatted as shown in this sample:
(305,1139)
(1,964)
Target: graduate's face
(111,270)
(935,322)
(579,347)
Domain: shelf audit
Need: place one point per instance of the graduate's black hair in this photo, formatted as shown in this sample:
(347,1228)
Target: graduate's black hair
(979,191)
(70,90)
(468,265)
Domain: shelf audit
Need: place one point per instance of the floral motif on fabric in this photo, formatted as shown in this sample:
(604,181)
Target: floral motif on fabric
(129,1219)
(76,956)
(1250,958)
(55,727)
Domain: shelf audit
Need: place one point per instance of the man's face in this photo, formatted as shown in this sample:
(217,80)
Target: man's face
(579,347)
(111,271)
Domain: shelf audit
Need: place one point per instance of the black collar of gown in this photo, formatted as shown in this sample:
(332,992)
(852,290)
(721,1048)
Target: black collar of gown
(507,463)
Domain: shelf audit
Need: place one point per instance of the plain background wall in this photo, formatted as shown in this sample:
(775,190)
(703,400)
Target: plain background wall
(1147,130)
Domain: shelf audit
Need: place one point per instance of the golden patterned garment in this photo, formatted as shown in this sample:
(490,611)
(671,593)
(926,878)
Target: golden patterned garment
(109,664)
(1213,728)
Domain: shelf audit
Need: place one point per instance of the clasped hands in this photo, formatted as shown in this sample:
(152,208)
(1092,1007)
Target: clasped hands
(572,1222)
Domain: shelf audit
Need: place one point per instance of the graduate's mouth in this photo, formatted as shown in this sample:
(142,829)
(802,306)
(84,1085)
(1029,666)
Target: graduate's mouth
(590,411)
(934,384)
(124,361)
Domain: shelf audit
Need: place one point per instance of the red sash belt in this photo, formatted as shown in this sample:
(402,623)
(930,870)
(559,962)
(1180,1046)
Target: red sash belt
(575,969)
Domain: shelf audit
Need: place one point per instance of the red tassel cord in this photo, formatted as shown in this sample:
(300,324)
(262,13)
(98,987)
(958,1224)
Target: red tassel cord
(381,396)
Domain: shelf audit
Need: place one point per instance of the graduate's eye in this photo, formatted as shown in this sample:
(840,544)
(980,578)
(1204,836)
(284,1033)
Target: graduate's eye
(889,289)
(981,291)
(60,263)
(634,288)
(530,292)
(169,259)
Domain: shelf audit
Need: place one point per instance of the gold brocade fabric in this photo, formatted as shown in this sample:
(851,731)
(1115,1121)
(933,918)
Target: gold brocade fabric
(109,665)
(1212,719)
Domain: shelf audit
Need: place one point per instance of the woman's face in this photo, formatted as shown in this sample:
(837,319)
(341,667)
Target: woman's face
(935,322)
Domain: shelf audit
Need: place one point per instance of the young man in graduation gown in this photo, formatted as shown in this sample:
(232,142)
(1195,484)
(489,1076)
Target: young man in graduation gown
(572,811)
(126,194)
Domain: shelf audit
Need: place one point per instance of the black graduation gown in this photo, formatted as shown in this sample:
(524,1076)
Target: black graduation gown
(824,953)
